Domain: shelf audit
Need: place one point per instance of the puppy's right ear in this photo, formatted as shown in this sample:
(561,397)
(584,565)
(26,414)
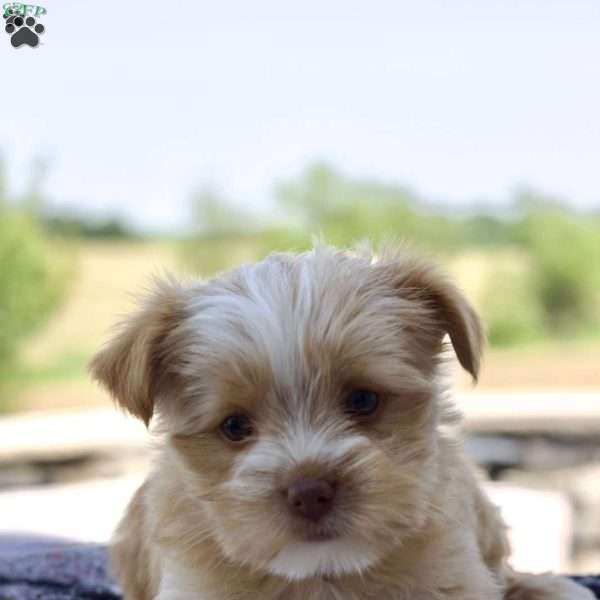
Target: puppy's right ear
(133,366)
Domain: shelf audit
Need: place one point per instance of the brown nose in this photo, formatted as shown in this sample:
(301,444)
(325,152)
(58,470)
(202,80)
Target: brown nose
(311,498)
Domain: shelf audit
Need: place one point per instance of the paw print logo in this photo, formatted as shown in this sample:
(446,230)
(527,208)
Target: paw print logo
(23,31)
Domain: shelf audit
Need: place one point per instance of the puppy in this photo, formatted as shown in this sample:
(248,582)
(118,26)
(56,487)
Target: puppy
(307,452)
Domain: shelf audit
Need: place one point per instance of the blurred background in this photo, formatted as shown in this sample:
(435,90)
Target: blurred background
(194,136)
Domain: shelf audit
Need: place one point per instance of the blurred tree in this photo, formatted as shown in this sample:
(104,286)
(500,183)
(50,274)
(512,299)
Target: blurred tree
(31,283)
(76,226)
(550,285)
(33,275)
(224,234)
(345,211)
(3,188)
(509,304)
(215,216)
(565,251)
(485,229)
(33,196)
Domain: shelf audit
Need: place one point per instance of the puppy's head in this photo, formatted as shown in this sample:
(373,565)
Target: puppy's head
(301,402)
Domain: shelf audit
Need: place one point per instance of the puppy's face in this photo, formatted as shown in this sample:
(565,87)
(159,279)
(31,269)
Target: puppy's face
(300,399)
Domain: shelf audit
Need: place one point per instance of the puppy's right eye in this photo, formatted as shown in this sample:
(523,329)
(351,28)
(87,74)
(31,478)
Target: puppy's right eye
(361,403)
(236,428)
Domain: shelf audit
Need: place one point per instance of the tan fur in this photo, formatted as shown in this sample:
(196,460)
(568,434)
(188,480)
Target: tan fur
(283,341)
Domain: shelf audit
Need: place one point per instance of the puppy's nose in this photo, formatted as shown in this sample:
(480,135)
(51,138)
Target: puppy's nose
(311,498)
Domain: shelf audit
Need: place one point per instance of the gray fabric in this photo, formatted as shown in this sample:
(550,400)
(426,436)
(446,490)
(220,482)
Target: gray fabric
(41,568)
(36,568)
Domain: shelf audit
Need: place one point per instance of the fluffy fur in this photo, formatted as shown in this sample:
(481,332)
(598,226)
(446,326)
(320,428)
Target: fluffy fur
(283,341)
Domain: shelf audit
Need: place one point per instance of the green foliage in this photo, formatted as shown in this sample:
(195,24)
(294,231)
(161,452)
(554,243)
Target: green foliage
(209,254)
(345,211)
(73,226)
(32,279)
(565,251)
(510,307)
(550,287)
(485,230)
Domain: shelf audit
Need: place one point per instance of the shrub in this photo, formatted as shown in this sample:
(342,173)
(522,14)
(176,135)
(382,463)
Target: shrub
(511,309)
(565,252)
(32,279)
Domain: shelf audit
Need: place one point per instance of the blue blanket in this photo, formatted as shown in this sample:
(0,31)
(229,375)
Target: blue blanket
(36,568)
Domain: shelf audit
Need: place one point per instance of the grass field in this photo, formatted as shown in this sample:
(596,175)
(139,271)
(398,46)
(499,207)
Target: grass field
(53,372)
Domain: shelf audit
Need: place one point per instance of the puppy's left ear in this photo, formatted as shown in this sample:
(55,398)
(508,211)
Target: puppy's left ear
(135,365)
(421,282)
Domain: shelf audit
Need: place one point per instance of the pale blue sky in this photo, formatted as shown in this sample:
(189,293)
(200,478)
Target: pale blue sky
(135,103)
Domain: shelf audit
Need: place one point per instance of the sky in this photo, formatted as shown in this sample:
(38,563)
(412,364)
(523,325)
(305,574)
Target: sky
(133,105)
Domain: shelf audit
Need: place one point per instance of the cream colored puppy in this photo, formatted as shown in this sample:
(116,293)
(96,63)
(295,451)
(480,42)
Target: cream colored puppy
(306,453)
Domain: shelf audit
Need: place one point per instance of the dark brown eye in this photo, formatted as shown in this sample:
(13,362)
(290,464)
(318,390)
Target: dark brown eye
(236,428)
(361,403)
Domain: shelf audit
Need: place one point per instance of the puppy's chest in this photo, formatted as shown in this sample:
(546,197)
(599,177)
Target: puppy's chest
(337,591)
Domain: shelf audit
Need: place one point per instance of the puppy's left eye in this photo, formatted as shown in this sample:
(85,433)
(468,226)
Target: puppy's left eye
(236,428)
(361,403)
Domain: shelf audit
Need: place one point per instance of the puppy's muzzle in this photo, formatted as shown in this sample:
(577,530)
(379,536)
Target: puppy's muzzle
(310,499)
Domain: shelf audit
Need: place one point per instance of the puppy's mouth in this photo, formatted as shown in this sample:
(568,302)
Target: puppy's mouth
(309,532)
(320,536)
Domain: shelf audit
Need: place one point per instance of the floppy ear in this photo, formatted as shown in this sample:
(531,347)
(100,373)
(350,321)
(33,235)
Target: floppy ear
(418,280)
(133,366)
